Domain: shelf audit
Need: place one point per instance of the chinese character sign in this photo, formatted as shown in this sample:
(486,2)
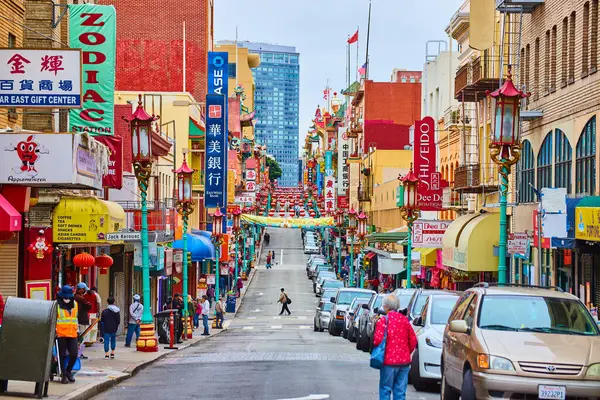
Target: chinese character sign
(343,174)
(250,174)
(93,29)
(330,194)
(425,158)
(40,78)
(429,233)
(215,176)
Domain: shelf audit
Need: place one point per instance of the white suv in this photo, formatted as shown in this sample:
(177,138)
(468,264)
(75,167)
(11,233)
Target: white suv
(341,303)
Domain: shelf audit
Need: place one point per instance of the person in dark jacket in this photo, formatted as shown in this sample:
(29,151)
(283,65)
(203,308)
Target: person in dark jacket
(111,318)
(83,316)
(177,304)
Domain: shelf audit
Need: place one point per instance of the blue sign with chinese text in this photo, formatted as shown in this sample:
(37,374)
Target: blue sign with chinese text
(215,165)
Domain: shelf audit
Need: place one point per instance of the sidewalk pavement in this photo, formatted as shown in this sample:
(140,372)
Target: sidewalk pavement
(98,374)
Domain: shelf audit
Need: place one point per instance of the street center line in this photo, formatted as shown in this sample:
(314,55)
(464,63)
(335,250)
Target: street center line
(248,327)
(281,258)
(276,326)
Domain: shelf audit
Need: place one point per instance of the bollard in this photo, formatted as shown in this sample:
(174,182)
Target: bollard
(171,333)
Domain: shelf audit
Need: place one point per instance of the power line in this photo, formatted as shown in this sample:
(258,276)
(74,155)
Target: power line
(32,30)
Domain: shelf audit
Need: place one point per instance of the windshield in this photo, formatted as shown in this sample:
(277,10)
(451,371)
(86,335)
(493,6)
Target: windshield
(378,302)
(331,283)
(419,304)
(536,314)
(442,307)
(347,297)
(327,306)
(404,300)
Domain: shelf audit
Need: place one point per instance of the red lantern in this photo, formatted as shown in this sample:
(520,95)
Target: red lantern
(84,261)
(104,262)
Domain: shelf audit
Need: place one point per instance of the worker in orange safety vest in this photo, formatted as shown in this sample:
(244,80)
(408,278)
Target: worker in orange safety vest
(66,331)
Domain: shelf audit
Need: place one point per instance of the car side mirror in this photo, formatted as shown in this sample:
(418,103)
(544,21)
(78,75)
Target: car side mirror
(418,321)
(459,326)
(404,312)
(376,310)
(332,300)
(365,306)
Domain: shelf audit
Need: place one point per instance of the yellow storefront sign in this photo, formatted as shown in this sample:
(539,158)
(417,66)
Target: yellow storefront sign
(86,220)
(587,223)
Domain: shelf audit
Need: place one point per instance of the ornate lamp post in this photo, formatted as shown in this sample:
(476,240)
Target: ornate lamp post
(217,239)
(351,232)
(339,222)
(141,146)
(362,232)
(409,212)
(185,207)
(236,217)
(505,150)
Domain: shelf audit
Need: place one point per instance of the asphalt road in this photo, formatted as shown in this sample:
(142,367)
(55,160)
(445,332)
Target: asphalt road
(264,356)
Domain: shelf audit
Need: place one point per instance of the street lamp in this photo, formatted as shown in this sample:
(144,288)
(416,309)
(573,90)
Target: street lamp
(141,125)
(339,222)
(236,217)
(217,239)
(409,212)
(362,232)
(185,207)
(351,232)
(505,150)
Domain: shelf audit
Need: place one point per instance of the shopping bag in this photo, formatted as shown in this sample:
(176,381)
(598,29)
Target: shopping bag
(378,354)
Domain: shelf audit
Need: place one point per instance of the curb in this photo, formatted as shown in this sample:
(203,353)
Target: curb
(94,389)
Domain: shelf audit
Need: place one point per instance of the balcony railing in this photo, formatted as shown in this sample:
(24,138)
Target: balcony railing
(476,77)
(454,117)
(463,79)
(451,199)
(476,178)
(161,215)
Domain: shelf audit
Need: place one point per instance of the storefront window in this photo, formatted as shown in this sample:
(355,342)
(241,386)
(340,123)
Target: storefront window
(526,173)
(544,163)
(585,167)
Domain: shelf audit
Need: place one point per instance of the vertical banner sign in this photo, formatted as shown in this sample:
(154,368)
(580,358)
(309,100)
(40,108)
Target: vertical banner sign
(215,162)
(93,29)
(114,177)
(329,163)
(330,193)
(218,83)
(429,195)
(343,174)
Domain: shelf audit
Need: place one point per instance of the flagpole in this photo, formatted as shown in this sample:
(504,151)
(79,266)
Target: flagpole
(348,63)
(236,56)
(368,38)
(357,48)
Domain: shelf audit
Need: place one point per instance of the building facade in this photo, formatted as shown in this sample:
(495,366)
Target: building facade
(277,97)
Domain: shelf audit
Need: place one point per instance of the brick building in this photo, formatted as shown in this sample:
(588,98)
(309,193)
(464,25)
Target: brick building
(150,45)
(11,35)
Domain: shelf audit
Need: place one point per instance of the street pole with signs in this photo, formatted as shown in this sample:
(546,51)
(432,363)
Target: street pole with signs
(410,212)
(351,232)
(217,239)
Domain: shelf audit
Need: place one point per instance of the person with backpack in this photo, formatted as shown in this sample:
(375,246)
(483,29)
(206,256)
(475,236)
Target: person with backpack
(284,300)
(136,309)
(110,318)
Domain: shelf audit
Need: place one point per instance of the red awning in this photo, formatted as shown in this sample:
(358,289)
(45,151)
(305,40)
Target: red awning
(10,219)
(370,255)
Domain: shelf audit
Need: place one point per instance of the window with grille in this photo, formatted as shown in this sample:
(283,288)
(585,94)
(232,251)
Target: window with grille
(527,61)
(563,154)
(536,70)
(526,173)
(547,63)
(586,37)
(544,163)
(585,161)
(553,59)
(572,48)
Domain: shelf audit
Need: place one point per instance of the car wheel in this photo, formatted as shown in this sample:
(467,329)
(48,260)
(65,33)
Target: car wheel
(415,373)
(467,391)
(365,343)
(447,392)
(352,335)
(330,329)
(358,341)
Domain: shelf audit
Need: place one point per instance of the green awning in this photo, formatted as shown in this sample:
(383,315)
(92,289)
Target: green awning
(196,130)
(387,237)
(591,201)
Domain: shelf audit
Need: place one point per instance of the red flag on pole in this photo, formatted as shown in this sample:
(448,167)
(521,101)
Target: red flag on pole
(354,38)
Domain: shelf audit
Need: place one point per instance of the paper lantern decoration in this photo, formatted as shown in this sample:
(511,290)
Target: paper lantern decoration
(104,262)
(84,261)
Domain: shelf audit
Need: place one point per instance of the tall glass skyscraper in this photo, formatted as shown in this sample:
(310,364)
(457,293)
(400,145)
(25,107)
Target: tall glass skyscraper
(276,99)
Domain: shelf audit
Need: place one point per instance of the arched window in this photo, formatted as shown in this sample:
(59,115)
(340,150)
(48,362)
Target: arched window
(563,154)
(585,161)
(544,163)
(526,173)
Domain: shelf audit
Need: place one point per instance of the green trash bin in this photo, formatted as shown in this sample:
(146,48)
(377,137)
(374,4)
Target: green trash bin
(26,339)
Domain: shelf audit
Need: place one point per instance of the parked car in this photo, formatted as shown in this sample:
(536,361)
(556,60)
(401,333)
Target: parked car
(417,301)
(354,316)
(520,342)
(311,249)
(320,268)
(327,295)
(314,258)
(426,361)
(366,323)
(328,283)
(322,316)
(341,303)
(404,295)
(318,281)
(313,264)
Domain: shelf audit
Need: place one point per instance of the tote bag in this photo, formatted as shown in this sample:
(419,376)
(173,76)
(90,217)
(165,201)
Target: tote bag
(378,354)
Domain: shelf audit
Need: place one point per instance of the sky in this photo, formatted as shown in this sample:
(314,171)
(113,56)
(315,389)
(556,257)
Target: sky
(319,30)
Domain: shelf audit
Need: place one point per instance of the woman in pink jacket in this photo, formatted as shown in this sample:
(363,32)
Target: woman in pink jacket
(400,343)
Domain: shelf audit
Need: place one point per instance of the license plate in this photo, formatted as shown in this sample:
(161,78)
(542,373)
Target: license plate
(552,392)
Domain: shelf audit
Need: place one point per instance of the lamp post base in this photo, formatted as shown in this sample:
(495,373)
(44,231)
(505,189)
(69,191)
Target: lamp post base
(188,327)
(147,342)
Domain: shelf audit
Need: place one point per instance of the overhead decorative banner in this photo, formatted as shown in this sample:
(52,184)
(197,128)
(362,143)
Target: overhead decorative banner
(93,29)
(343,174)
(429,233)
(429,194)
(114,177)
(288,222)
(40,78)
(215,177)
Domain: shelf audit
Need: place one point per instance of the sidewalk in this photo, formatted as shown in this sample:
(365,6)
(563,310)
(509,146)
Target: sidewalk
(98,374)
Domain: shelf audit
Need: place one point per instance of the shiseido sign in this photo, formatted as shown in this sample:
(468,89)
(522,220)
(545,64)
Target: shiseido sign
(429,195)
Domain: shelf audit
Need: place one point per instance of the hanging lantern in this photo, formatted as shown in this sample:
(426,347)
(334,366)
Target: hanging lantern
(282,213)
(104,262)
(271,212)
(302,213)
(84,261)
(352,219)
(141,133)
(339,218)
(410,182)
(362,224)
(184,182)
(217,227)
(237,214)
